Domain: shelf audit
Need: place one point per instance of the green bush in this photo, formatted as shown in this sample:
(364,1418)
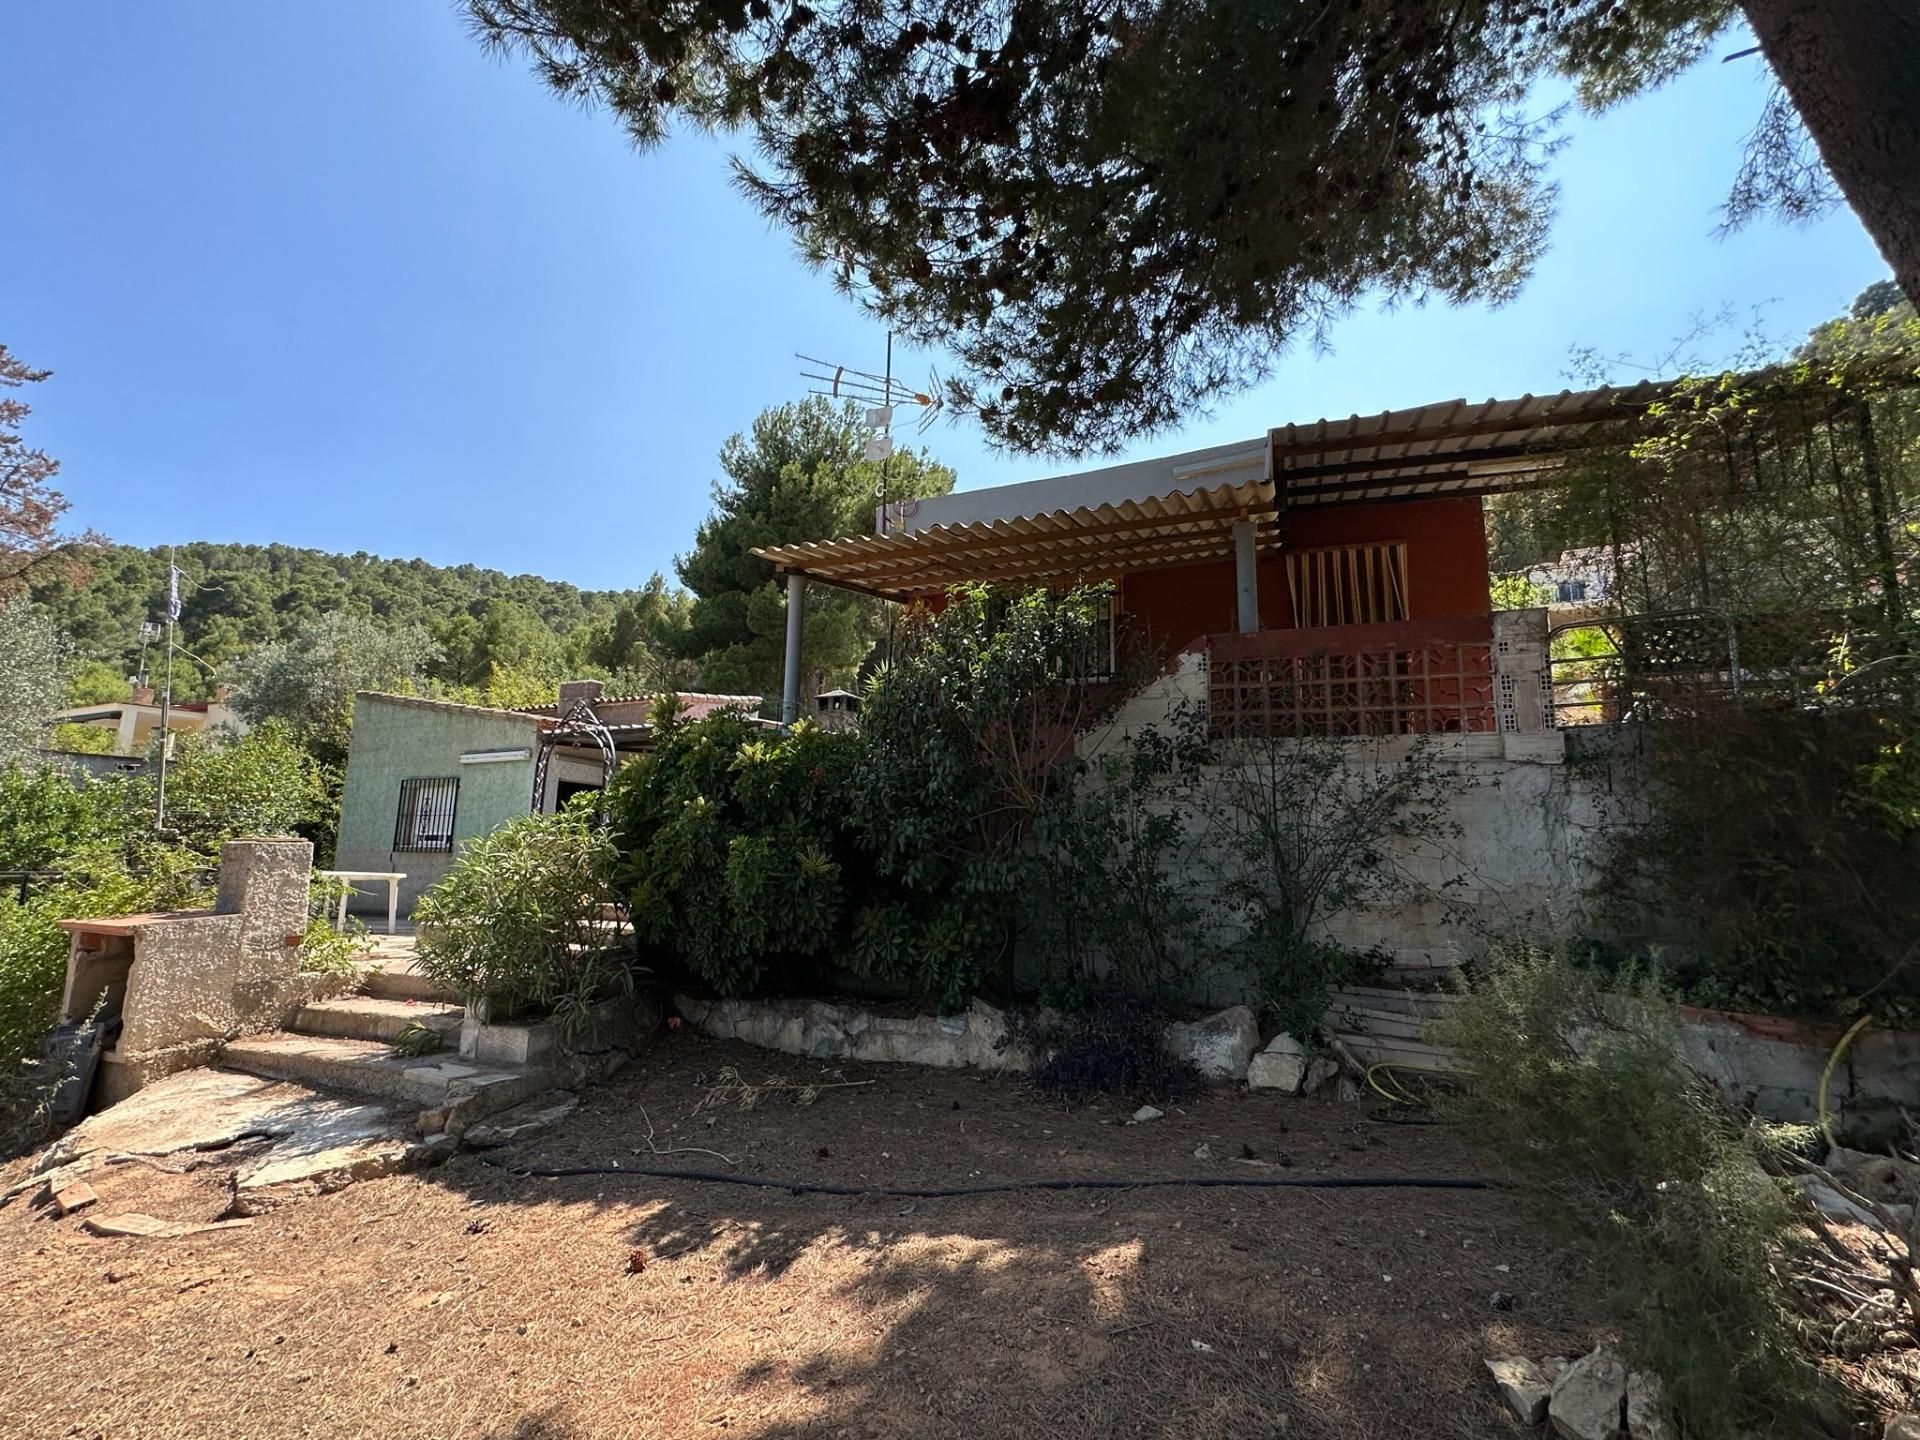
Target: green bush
(967,749)
(263,783)
(1586,1094)
(98,880)
(1772,865)
(44,815)
(1119,894)
(520,923)
(736,855)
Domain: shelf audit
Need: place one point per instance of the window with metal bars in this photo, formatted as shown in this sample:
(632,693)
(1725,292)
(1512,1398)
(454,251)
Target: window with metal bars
(425,818)
(1348,584)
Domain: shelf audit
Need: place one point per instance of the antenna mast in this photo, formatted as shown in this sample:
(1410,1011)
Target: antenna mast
(166,696)
(880,394)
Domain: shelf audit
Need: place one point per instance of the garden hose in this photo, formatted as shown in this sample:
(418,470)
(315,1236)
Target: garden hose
(1826,1076)
(1391,1090)
(1004,1187)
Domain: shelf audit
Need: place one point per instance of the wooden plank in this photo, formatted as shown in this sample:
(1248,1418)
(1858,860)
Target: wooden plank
(1374,1050)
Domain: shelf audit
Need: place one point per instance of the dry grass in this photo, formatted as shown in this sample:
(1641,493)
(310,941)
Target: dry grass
(471,1302)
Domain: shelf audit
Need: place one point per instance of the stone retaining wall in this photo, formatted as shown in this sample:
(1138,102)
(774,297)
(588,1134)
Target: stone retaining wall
(1219,1046)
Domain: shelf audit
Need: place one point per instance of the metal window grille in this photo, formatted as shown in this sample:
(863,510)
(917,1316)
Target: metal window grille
(1100,665)
(425,818)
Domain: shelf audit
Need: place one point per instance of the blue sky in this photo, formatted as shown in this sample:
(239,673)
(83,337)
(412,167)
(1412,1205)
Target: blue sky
(333,276)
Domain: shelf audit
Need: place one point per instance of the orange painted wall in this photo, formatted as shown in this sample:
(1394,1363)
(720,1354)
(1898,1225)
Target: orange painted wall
(1446,570)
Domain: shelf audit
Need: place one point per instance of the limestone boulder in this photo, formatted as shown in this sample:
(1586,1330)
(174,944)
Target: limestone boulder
(1589,1399)
(1523,1385)
(1219,1046)
(1902,1427)
(1282,1066)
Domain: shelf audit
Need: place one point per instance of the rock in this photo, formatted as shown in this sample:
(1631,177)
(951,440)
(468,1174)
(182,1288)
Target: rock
(1219,1046)
(77,1196)
(145,1227)
(1647,1415)
(1146,1113)
(1203,1152)
(522,1120)
(1902,1427)
(1589,1399)
(1555,1366)
(1321,1072)
(1831,1203)
(1281,1066)
(1524,1386)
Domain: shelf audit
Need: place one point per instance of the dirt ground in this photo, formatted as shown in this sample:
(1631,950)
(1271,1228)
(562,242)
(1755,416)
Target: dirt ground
(468,1301)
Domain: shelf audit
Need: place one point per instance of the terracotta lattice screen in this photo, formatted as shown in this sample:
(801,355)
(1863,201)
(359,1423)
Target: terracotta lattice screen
(1348,584)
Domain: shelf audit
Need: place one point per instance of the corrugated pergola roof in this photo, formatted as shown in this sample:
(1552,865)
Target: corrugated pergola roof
(1089,543)
(1455,447)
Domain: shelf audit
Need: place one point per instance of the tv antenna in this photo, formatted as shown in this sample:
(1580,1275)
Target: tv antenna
(881,394)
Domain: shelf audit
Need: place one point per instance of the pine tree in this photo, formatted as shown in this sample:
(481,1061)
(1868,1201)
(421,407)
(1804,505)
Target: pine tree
(1113,212)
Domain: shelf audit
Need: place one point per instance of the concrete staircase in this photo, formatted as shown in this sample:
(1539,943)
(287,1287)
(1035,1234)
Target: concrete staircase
(347,1044)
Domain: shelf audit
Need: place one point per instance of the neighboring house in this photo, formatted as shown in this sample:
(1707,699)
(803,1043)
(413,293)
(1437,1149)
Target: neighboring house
(425,776)
(1578,577)
(1330,576)
(85,765)
(134,719)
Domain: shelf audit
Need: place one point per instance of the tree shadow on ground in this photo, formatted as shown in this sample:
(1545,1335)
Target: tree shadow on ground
(469,1300)
(1218,1312)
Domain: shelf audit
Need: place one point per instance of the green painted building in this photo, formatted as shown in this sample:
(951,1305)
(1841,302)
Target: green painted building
(424,777)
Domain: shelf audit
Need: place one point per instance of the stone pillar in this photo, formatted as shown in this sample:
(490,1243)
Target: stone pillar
(1522,686)
(265,882)
(1246,574)
(572,690)
(790,676)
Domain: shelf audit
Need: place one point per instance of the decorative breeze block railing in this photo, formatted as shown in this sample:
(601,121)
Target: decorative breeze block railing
(1423,677)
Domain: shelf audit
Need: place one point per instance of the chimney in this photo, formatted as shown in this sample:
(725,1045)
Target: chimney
(142,695)
(572,690)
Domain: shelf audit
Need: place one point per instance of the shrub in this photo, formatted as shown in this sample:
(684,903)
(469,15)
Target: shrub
(1311,827)
(735,852)
(44,814)
(1114,1045)
(519,924)
(1587,1095)
(1114,896)
(33,948)
(263,783)
(1772,863)
(967,746)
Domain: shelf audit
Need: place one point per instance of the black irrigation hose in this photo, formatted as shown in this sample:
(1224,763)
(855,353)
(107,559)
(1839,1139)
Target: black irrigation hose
(808,1187)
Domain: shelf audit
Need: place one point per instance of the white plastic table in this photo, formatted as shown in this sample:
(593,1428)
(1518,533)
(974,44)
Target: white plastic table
(393,879)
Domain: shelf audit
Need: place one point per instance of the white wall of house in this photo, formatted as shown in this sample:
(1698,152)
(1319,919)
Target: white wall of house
(1530,826)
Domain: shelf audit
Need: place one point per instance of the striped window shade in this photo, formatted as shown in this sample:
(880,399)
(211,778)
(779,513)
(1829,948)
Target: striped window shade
(1348,584)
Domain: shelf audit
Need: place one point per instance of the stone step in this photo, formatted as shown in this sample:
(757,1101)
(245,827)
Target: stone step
(368,1017)
(399,978)
(449,1093)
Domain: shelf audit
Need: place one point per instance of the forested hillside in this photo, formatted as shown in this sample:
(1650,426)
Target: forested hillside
(236,598)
